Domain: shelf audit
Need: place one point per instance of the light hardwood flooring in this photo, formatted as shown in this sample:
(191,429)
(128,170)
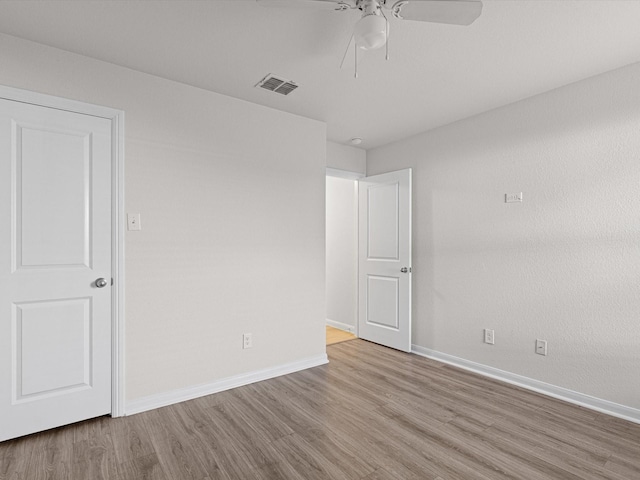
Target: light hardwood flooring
(371,414)
(335,335)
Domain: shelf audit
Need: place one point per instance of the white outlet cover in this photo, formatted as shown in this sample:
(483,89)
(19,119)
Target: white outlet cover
(489,336)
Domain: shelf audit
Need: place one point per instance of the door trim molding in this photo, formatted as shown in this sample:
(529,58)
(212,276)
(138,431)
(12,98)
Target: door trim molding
(117,221)
(347,175)
(117,256)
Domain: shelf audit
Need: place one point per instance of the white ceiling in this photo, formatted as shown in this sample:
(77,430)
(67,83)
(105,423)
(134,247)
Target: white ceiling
(437,74)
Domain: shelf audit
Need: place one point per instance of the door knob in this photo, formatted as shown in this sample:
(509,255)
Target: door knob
(404,269)
(101,282)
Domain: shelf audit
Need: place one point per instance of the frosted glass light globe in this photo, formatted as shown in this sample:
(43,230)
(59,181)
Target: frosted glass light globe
(371,32)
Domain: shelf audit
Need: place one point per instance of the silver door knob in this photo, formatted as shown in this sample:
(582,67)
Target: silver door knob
(101,282)
(404,269)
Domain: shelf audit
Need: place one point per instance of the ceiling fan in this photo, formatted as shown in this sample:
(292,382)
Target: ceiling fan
(372,30)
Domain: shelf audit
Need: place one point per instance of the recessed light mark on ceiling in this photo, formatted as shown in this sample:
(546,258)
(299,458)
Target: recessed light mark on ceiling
(275,84)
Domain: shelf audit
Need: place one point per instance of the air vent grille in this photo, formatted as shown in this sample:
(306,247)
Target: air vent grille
(278,85)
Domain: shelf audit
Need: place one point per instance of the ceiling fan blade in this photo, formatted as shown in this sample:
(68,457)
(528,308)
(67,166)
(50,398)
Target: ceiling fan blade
(312,4)
(452,12)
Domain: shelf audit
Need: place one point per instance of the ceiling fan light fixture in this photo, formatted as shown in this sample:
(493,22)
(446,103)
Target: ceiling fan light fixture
(371,32)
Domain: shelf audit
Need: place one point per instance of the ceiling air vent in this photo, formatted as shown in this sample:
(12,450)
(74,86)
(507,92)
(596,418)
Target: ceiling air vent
(278,85)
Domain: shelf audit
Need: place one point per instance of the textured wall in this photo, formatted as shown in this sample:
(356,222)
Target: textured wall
(563,266)
(232,202)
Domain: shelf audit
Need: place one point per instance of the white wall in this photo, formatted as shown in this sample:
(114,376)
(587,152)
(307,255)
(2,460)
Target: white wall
(347,158)
(342,253)
(232,202)
(564,265)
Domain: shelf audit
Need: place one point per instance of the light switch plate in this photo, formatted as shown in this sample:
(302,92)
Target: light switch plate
(512,197)
(133,221)
(541,347)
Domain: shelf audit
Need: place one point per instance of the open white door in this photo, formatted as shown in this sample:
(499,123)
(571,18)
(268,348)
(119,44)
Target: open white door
(55,267)
(384,278)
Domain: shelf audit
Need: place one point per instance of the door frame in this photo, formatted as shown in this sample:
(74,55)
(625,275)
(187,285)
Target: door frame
(117,223)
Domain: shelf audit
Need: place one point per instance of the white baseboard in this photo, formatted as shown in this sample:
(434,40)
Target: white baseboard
(577,398)
(189,393)
(341,326)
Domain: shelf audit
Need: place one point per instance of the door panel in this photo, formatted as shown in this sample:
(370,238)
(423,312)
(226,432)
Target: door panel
(63,219)
(384,290)
(382,301)
(52,349)
(55,235)
(382,227)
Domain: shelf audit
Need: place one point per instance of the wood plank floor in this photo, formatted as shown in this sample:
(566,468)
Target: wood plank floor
(372,414)
(335,335)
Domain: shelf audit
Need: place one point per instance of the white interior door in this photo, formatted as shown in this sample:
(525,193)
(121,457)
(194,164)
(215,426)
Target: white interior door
(384,277)
(55,243)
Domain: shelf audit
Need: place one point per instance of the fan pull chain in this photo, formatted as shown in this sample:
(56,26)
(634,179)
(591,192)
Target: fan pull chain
(386,32)
(355,46)
(346,51)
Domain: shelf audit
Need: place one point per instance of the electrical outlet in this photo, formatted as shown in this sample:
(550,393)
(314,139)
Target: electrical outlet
(489,336)
(247,341)
(541,347)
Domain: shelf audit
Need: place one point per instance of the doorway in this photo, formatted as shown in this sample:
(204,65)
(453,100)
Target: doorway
(368,257)
(341,255)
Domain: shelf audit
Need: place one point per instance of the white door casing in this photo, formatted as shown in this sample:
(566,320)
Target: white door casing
(58,235)
(384,277)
